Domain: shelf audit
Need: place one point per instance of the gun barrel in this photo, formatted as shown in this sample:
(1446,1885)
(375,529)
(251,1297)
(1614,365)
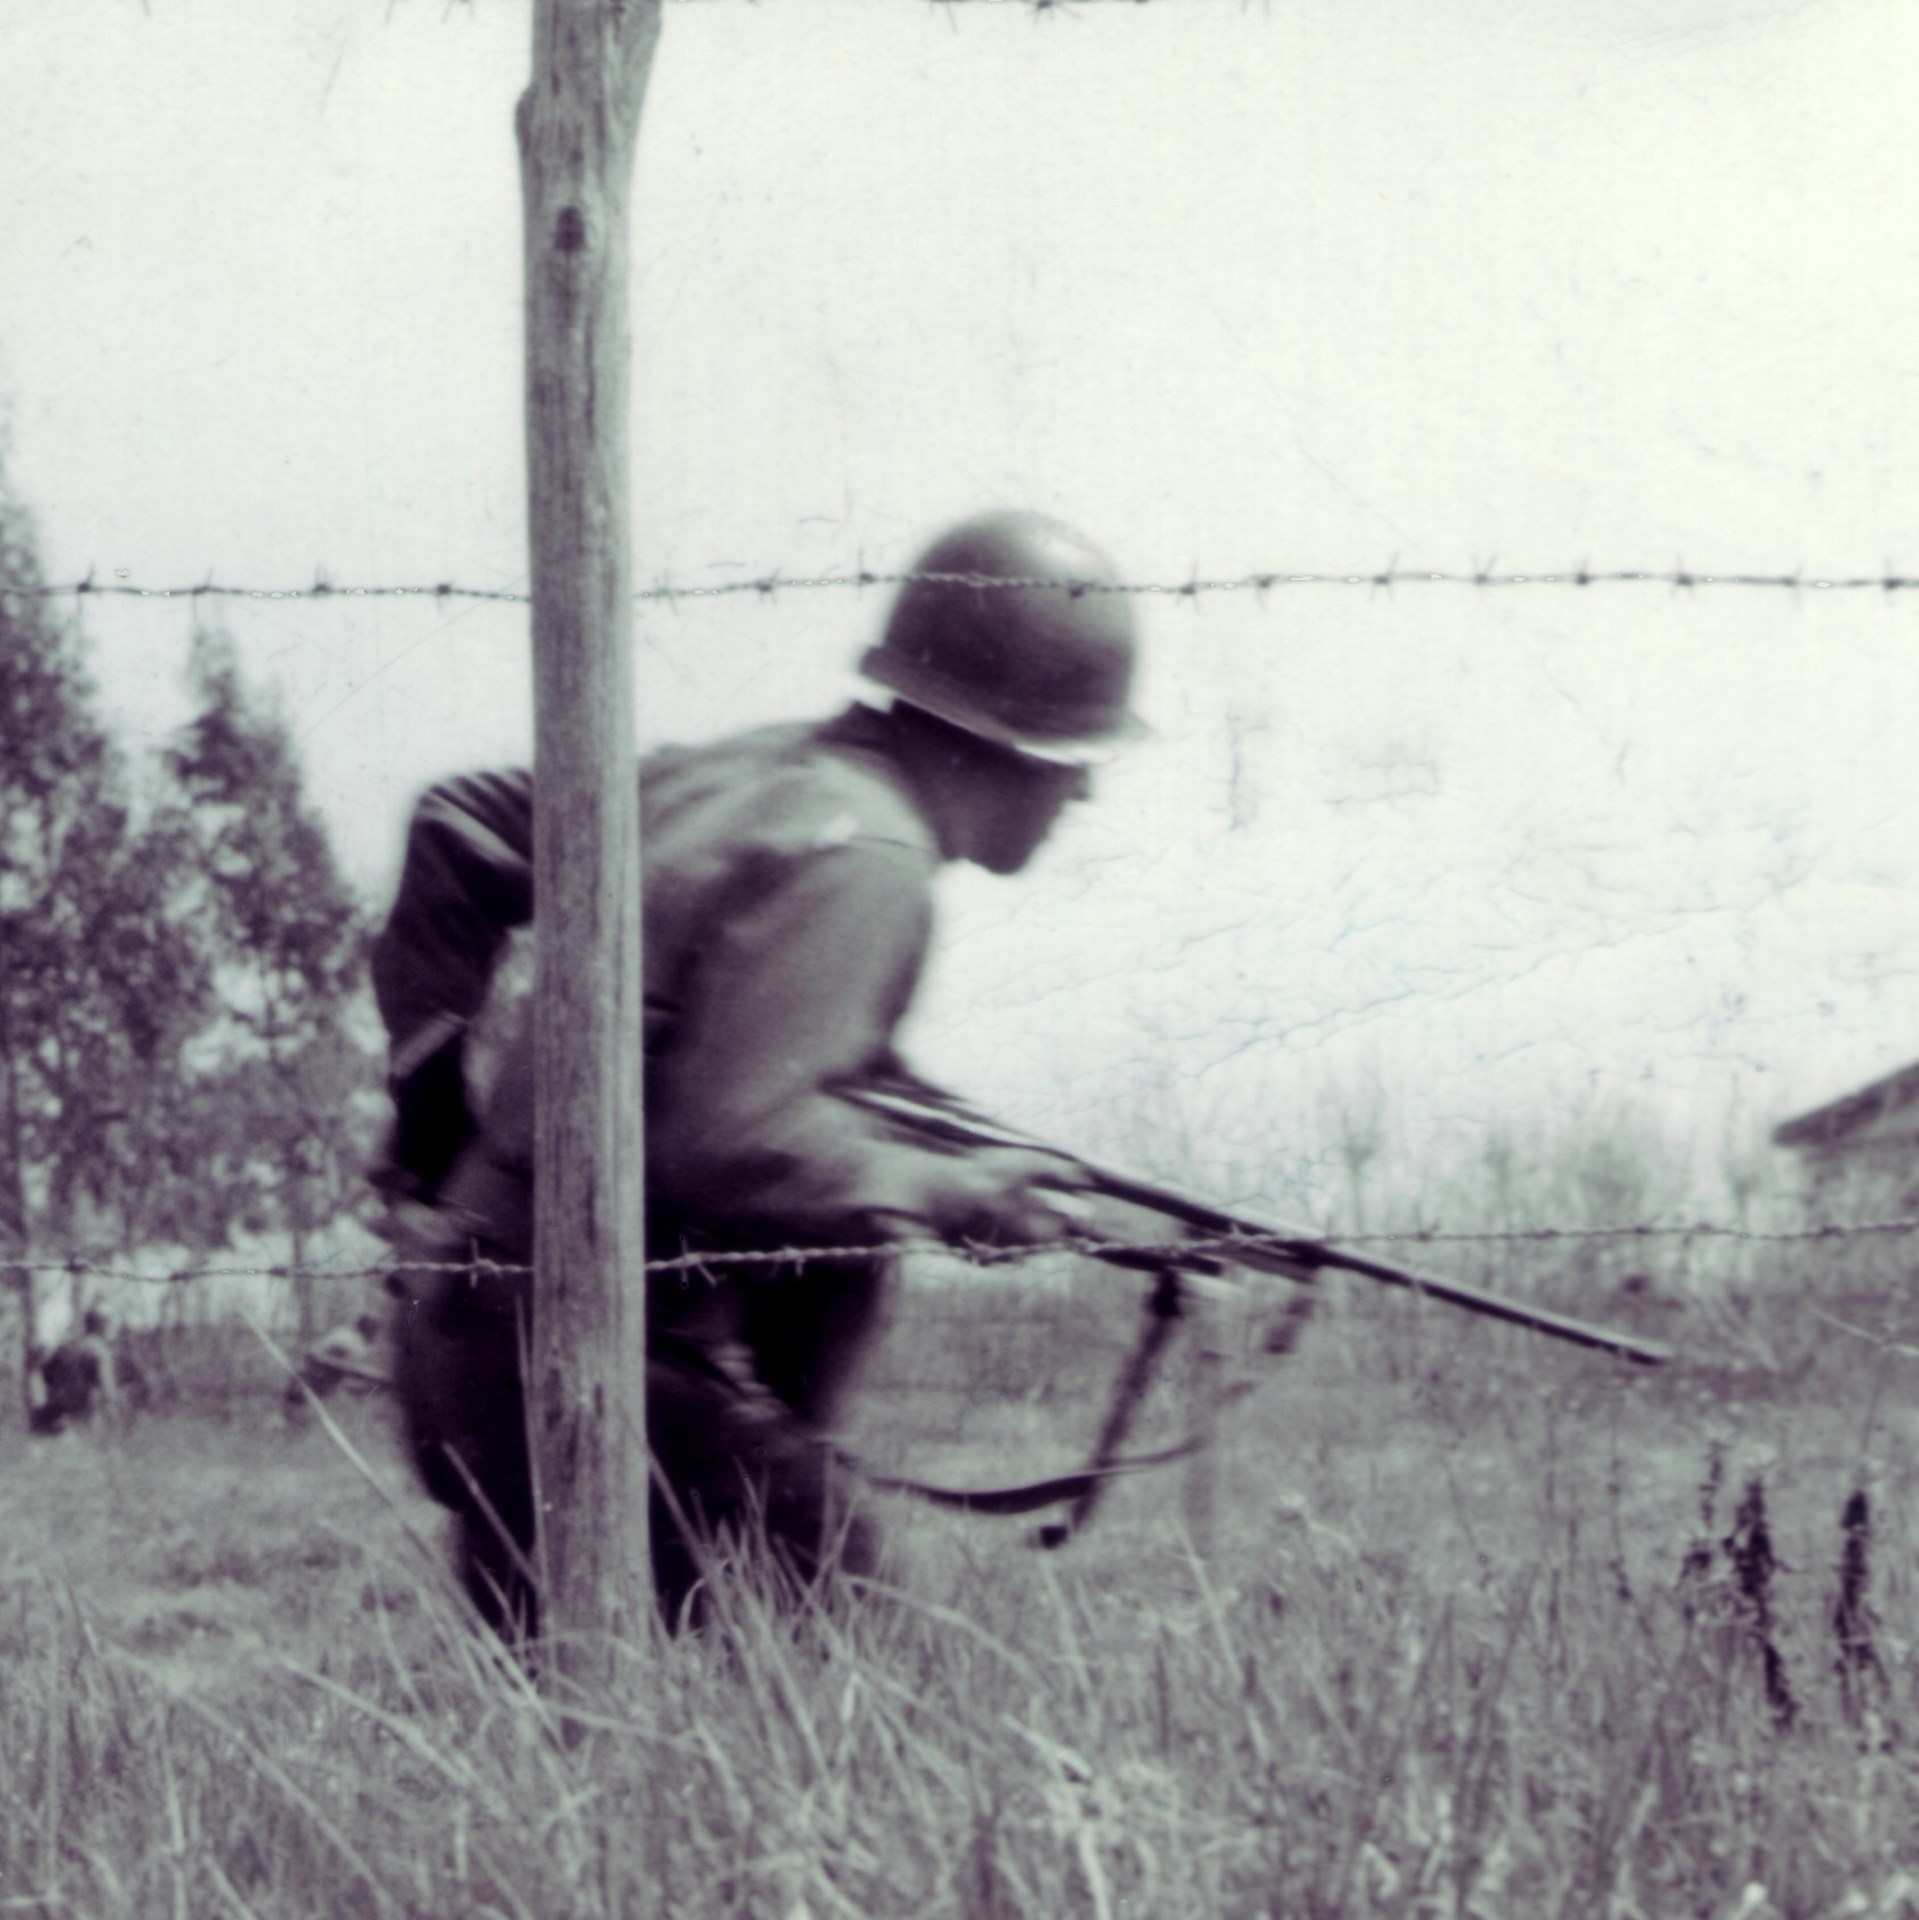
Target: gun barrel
(1267,1247)
(1287,1250)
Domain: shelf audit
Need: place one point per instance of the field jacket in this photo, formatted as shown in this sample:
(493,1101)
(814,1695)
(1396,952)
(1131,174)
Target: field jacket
(787,912)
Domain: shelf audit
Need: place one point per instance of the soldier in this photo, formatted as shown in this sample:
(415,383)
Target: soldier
(79,1378)
(787,912)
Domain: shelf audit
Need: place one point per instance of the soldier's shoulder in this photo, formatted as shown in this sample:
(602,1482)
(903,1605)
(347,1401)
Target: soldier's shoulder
(851,794)
(799,788)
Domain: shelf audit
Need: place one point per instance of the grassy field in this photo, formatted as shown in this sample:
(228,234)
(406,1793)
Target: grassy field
(1486,1627)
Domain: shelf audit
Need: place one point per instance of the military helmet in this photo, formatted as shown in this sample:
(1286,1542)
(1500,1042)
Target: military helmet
(1044,665)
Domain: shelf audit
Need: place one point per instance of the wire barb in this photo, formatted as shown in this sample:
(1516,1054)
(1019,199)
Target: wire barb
(1221,1246)
(1484,578)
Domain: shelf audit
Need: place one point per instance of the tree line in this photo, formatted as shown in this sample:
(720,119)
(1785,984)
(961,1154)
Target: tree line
(187,1049)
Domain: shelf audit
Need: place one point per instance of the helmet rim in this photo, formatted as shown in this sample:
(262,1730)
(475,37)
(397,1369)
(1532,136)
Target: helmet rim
(932,695)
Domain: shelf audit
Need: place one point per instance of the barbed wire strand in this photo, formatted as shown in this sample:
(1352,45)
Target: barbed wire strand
(1678,579)
(1030,6)
(1221,1246)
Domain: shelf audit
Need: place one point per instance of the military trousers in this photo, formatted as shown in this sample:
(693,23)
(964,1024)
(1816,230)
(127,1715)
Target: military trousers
(747,1370)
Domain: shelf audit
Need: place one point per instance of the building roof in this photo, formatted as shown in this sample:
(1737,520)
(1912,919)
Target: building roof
(1828,1128)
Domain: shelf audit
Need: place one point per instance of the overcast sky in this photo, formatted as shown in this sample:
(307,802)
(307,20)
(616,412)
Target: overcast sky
(1307,285)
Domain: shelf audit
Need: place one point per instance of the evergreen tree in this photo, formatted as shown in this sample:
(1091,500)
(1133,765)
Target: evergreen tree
(288,1108)
(185,1047)
(101,981)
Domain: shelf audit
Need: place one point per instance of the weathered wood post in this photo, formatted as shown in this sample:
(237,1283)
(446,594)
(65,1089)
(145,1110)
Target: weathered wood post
(578,124)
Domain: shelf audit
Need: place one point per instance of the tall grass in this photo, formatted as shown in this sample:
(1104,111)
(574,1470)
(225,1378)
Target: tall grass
(1539,1673)
(1489,1629)
(1344,1742)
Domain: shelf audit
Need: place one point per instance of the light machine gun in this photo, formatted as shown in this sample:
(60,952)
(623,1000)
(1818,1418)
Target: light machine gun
(1203,1238)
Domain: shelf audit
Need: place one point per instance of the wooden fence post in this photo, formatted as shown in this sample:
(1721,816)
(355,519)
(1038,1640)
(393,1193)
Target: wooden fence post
(578,125)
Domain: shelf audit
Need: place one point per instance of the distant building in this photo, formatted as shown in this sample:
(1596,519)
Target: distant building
(1862,1149)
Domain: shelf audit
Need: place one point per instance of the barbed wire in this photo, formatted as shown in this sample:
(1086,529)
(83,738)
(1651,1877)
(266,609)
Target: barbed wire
(1677,579)
(1219,1246)
(1030,6)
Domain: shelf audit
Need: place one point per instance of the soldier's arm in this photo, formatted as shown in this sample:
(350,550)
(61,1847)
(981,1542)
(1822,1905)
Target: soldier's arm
(466,882)
(798,991)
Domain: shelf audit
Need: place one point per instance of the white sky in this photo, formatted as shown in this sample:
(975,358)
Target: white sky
(1316,284)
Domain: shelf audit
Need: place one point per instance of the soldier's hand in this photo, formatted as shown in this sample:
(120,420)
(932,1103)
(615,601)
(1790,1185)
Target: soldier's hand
(1009,1197)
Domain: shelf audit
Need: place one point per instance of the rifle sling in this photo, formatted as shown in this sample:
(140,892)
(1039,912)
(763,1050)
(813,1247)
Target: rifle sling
(1082,1488)
(1036,1494)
